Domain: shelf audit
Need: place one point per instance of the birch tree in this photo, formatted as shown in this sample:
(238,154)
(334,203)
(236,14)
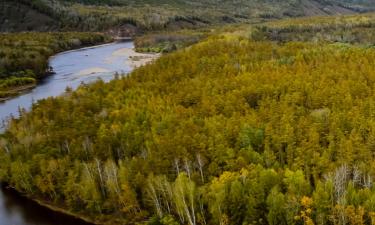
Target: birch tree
(185,197)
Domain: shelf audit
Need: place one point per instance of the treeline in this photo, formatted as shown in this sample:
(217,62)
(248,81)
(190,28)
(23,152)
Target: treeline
(151,15)
(345,29)
(166,42)
(24,56)
(96,2)
(228,131)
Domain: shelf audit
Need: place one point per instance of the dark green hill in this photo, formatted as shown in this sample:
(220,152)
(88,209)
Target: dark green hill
(96,15)
(15,16)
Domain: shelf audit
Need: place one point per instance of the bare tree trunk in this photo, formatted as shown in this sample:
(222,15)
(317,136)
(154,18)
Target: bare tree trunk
(100,178)
(4,145)
(88,171)
(192,208)
(340,181)
(200,164)
(66,145)
(202,212)
(187,168)
(167,194)
(176,164)
(187,211)
(155,199)
(115,177)
(356,175)
(367,181)
(340,184)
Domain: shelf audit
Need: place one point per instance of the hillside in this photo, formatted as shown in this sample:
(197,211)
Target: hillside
(130,16)
(254,126)
(349,29)
(16,16)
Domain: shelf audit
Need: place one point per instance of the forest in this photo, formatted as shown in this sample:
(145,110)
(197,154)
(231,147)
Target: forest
(166,42)
(24,56)
(254,126)
(146,15)
(343,29)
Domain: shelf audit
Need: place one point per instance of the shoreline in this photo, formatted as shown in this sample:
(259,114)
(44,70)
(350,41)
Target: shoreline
(84,48)
(17,91)
(135,60)
(61,210)
(50,206)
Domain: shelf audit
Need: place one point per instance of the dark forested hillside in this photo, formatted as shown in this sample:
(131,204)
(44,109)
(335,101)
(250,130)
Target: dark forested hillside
(103,15)
(245,128)
(15,16)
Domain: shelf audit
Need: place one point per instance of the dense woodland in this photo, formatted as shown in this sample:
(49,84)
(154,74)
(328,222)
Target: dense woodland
(166,42)
(145,15)
(344,29)
(232,130)
(24,56)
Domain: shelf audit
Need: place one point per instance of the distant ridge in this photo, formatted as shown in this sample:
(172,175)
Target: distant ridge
(95,15)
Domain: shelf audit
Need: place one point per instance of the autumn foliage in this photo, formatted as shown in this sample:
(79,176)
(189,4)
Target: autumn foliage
(227,131)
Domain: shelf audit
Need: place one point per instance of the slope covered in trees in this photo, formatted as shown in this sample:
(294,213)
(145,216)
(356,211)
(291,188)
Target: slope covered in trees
(345,29)
(102,15)
(24,56)
(228,131)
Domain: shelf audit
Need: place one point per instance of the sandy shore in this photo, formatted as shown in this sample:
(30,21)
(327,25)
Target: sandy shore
(92,70)
(135,59)
(132,59)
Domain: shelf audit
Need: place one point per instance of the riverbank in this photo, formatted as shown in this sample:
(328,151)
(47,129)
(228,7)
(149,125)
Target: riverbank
(61,210)
(13,92)
(19,90)
(134,60)
(72,68)
(48,205)
(26,56)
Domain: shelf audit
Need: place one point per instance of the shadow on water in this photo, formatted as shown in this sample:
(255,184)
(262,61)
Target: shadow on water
(16,209)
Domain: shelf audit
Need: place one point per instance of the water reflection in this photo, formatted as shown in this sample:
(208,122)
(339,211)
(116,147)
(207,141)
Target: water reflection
(18,210)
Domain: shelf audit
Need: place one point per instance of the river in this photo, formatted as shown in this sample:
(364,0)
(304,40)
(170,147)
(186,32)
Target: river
(71,69)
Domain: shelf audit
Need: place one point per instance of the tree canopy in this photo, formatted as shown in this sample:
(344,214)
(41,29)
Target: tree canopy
(231,130)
